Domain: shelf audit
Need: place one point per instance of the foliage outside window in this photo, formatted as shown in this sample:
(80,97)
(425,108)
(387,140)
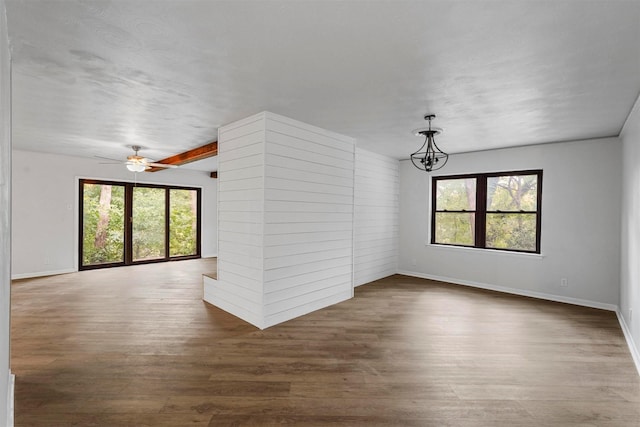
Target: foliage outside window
(123,223)
(183,225)
(103,224)
(490,211)
(149,223)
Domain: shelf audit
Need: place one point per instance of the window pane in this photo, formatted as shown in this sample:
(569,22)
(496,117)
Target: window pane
(511,231)
(183,222)
(512,193)
(456,194)
(148,223)
(102,224)
(455,228)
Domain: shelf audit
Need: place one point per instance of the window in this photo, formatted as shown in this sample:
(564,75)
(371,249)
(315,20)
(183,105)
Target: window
(490,211)
(122,223)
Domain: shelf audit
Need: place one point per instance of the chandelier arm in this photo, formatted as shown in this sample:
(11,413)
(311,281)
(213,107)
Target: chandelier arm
(442,158)
(415,164)
(438,148)
(423,145)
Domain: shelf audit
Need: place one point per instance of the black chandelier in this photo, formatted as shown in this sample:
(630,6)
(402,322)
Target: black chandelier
(429,157)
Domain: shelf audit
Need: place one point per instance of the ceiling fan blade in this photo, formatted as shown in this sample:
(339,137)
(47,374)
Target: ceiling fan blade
(108,158)
(160,165)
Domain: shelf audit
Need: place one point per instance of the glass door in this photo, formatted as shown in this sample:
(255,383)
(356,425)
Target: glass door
(148,224)
(183,223)
(127,223)
(102,224)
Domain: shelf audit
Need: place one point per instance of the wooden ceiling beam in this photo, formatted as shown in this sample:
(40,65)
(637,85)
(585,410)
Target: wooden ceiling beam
(200,153)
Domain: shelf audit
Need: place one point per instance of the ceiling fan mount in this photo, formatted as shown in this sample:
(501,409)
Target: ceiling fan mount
(135,148)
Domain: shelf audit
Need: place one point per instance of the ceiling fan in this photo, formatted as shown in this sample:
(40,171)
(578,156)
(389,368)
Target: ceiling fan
(137,163)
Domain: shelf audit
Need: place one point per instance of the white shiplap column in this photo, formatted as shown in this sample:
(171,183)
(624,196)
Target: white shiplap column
(285,219)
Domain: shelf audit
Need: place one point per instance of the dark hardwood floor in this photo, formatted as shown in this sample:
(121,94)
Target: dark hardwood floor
(136,346)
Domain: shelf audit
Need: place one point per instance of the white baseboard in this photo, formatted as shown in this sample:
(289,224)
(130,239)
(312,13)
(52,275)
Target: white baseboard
(42,273)
(522,292)
(209,255)
(635,353)
(11,399)
(68,270)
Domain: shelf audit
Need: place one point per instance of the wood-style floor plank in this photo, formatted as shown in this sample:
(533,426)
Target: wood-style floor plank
(136,346)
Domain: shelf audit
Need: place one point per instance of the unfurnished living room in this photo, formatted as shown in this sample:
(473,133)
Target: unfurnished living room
(312,213)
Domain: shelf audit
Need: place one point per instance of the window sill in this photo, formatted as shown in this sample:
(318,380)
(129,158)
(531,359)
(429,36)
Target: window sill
(487,251)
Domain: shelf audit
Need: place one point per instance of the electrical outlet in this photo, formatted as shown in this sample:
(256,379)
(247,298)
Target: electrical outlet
(630,315)
(564,282)
(47,260)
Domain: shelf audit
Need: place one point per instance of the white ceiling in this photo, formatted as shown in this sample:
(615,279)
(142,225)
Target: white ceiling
(93,77)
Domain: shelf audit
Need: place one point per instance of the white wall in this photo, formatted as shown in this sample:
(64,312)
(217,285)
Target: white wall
(630,252)
(580,224)
(376,227)
(6,379)
(45,207)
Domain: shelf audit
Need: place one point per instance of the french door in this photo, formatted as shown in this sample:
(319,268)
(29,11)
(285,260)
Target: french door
(124,223)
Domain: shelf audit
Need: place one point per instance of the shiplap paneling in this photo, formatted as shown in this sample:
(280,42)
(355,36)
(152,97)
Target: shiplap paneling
(300,309)
(308,194)
(307,165)
(285,219)
(239,286)
(215,294)
(375,217)
(303,216)
(288,239)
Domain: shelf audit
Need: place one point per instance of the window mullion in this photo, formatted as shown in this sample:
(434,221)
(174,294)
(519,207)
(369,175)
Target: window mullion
(538,209)
(128,229)
(167,222)
(81,225)
(434,186)
(481,211)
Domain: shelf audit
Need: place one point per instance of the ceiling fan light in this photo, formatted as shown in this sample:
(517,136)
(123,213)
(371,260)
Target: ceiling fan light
(136,167)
